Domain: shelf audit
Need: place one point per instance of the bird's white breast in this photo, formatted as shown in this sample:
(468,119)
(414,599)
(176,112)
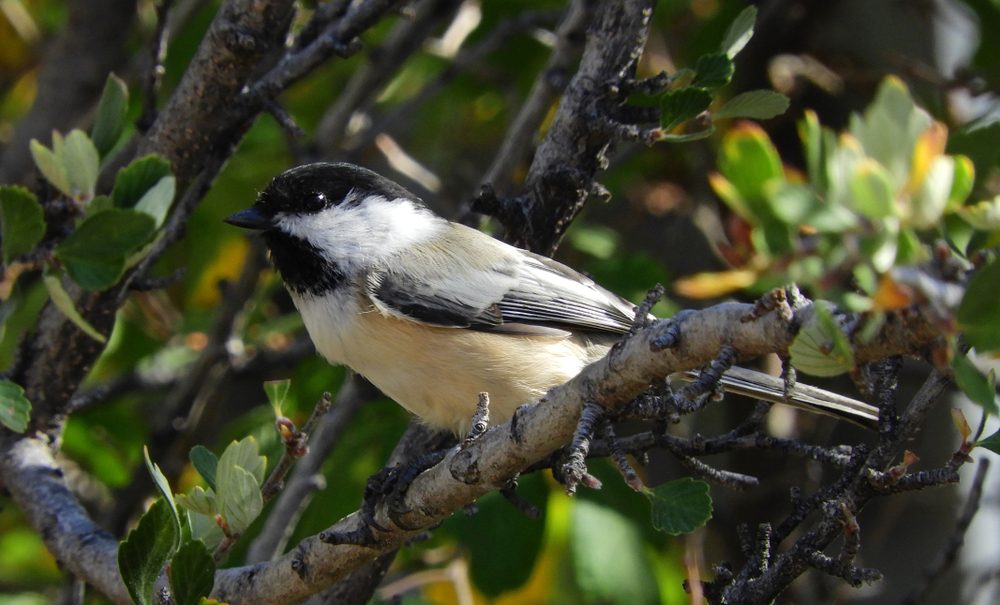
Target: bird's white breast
(437,373)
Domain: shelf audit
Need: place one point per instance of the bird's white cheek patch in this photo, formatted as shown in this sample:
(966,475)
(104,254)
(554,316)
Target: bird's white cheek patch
(353,235)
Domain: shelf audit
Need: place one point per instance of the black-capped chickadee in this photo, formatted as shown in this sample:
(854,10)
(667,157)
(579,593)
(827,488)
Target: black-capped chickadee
(433,312)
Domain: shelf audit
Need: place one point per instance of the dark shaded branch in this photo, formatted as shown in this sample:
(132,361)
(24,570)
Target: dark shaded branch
(562,174)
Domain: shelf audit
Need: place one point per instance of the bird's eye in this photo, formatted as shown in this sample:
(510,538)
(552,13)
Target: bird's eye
(315,202)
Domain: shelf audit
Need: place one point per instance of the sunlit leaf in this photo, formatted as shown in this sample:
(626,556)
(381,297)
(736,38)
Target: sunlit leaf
(749,160)
(277,392)
(754,104)
(928,203)
(22,221)
(51,166)
(798,205)
(928,148)
(15,409)
(157,200)
(82,162)
(984,215)
(163,486)
(962,181)
(239,498)
(872,190)
(821,348)
(244,453)
(199,500)
(890,127)
(740,31)
(680,506)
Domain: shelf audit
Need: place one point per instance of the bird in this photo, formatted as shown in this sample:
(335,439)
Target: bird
(433,312)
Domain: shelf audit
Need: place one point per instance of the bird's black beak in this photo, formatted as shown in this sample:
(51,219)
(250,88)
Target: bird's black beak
(249,218)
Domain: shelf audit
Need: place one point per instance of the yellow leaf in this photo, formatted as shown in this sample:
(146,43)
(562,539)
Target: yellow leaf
(713,285)
(961,423)
(929,146)
(226,265)
(892,295)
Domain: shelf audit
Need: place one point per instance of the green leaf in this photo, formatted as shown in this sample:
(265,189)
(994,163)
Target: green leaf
(64,302)
(607,555)
(192,573)
(111,112)
(872,190)
(991,443)
(239,499)
(980,389)
(238,478)
(205,462)
(157,200)
(740,31)
(15,409)
(984,215)
(754,104)
(82,163)
(679,106)
(95,253)
(100,203)
(244,453)
(821,348)
(928,203)
(199,500)
(277,392)
(204,528)
(798,205)
(51,166)
(714,70)
(22,222)
(680,506)
(979,314)
(891,127)
(146,550)
(163,486)
(133,181)
(962,182)
(749,160)
(687,137)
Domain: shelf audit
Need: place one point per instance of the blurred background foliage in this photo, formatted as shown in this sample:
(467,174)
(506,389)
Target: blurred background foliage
(448,107)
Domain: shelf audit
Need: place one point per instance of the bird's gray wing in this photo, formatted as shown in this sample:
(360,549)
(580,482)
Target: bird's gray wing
(470,280)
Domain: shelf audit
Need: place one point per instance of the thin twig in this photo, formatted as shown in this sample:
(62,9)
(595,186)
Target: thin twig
(294,449)
(949,554)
